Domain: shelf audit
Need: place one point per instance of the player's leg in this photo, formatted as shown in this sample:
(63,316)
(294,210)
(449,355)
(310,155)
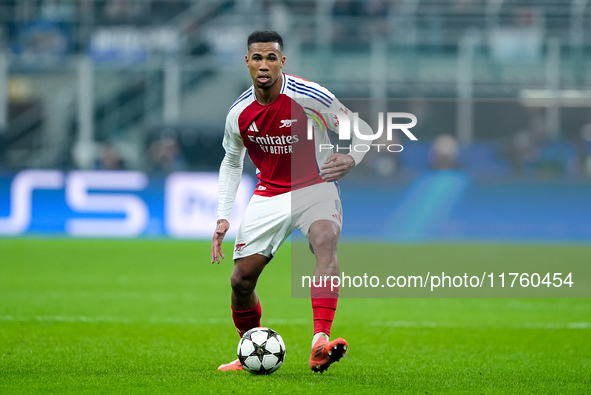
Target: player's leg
(264,228)
(318,214)
(246,308)
(323,237)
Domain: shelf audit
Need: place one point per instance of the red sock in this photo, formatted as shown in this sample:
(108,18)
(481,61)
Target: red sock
(247,319)
(324,305)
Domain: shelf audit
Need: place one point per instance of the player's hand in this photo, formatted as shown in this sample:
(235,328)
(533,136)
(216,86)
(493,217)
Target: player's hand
(336,167)
(218,237)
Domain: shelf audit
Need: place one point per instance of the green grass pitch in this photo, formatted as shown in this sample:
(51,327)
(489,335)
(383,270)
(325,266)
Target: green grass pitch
(153,316)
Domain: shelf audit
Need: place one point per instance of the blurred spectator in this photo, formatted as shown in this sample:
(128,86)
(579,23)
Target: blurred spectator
(444,152)
(556,157)
(522,151)
(520,41)
(110,159)
(525,144)
(534,153)
(165,155)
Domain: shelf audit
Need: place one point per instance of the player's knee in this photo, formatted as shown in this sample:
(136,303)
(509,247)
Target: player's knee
(241,284)
(324,239)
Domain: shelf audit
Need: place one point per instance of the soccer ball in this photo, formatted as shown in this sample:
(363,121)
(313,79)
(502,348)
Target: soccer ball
(261,350)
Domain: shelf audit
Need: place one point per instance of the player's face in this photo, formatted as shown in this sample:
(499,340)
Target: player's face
(265,61)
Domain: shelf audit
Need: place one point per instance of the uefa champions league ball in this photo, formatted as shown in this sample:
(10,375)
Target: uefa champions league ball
(261,350)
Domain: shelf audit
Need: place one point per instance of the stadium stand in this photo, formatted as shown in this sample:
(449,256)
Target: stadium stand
(418,43)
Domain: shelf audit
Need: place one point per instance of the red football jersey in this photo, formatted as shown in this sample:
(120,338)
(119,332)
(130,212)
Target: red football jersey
(277,138)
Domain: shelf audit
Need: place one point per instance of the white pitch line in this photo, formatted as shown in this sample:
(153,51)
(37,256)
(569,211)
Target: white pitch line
(279,321)
(152,320)
(561,325)
(526,325)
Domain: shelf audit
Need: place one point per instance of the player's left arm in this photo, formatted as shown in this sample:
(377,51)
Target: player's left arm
(339,165)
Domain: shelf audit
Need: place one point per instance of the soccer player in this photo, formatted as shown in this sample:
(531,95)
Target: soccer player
(296,189)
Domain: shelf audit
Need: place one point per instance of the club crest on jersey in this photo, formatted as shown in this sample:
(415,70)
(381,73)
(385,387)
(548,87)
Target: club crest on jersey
(286,123)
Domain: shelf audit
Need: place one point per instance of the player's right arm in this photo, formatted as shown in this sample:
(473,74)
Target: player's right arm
(229,180)
(218,237)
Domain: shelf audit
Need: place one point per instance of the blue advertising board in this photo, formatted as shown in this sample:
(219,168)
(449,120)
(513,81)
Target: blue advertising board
(113,204)
(441,205)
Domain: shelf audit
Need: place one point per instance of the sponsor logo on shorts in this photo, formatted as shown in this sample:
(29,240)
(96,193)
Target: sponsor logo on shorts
(239,247)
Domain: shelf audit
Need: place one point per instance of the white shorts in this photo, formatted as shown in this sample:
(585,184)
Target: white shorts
(269,221)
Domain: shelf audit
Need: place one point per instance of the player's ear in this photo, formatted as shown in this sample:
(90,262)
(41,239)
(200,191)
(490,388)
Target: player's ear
(246,60)
(282,62)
